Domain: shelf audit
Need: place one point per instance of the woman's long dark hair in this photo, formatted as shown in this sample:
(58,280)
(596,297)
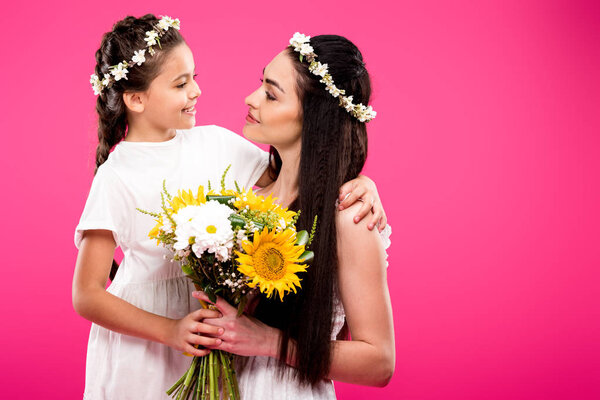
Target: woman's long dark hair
(334,150)
(117,45)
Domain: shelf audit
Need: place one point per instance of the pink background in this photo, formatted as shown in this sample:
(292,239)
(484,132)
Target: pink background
(485,151)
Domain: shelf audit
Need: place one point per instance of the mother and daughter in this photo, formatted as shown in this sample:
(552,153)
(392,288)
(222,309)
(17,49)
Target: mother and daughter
(314,120)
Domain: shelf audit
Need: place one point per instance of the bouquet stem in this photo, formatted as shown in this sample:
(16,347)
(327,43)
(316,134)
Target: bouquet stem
(209,377)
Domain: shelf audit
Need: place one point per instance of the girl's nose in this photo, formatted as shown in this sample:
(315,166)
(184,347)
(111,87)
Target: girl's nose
(196,92)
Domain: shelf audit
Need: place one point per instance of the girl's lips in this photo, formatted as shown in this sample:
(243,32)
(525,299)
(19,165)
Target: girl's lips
(251,119)
(190,111)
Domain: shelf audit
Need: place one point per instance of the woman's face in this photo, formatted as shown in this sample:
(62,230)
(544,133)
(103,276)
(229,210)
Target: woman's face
(275,115)
(172,95)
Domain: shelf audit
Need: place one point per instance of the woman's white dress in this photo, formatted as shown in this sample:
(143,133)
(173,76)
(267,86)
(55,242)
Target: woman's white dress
(122,367)
(259,379)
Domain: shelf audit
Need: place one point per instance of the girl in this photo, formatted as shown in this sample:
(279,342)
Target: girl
(147,318)
(308,110)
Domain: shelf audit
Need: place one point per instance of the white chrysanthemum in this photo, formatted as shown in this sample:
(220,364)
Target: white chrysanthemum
(139,57)
(206,227)
(105,80)
(327,79)
(334,91)
(306,49)
(164,23)
(299,37)
(318,69)
(346,102)
(150,38)
(120,71)
(96,85)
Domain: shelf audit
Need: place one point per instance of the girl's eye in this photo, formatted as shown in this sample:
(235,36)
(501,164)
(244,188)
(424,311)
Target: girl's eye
(182,85)
(269,96)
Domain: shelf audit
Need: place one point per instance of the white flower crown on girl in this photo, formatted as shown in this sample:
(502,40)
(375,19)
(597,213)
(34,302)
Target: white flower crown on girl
(301,44)
(119,71)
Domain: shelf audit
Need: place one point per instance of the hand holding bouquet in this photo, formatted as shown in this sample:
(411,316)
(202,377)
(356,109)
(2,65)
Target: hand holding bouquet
(229,243)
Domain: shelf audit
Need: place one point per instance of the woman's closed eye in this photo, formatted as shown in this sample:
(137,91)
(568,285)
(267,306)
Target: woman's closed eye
(267,93)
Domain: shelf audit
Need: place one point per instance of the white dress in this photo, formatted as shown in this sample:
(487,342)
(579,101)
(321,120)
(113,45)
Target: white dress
(120,367)
(259,378)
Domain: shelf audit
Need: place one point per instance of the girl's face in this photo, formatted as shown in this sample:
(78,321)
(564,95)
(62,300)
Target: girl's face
(275,115)
(170,100)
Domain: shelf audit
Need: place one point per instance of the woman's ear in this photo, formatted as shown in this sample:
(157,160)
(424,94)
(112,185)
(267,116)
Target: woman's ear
(134,101)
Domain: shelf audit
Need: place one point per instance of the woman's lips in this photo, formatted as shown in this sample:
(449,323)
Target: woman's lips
(251,119)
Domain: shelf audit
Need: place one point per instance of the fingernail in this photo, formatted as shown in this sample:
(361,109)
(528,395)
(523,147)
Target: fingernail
(356,219)
(218,341)
(341,207)
(370,227)
(221,331)
(346,196)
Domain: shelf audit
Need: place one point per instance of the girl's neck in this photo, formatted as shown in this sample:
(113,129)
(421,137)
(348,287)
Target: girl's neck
(285,187)
(140,132)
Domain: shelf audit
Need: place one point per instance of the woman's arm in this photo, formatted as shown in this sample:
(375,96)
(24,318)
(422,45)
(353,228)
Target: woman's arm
(369,358)
(93,302)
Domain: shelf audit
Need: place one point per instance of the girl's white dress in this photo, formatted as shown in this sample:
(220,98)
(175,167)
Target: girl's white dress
(120,367)
(259,379)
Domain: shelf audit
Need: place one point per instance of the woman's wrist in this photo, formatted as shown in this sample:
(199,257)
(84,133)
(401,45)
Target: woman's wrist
(272,343)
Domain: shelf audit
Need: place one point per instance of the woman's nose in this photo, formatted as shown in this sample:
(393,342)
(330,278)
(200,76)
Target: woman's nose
(251,99)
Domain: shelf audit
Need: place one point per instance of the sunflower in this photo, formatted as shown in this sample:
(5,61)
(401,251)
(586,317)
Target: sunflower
(263,205)
(271,261)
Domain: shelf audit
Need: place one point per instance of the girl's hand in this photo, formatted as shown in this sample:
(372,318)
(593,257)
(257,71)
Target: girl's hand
(244,335)
(188,332)
(363,189)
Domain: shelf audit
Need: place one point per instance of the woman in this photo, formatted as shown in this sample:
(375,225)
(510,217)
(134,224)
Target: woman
(310,109)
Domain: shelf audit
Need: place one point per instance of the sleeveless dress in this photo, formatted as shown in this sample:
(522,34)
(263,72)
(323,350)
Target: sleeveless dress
(122,367)
(259,379)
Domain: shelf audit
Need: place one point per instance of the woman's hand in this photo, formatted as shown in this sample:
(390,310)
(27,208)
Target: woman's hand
(188,332)
(244,335)
(363,189)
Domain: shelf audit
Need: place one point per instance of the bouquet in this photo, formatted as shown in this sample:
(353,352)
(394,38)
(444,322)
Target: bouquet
(229,243)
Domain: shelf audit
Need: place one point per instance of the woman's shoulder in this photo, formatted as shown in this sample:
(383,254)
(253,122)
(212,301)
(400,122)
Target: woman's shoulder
(348,230)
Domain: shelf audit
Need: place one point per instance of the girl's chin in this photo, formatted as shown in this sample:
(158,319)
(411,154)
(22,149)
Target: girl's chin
(189,123)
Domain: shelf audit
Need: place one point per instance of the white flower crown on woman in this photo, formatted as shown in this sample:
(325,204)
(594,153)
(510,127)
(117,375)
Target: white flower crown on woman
(301,44)
(119,71)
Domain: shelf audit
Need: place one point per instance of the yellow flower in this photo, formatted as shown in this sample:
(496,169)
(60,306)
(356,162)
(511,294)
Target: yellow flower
(154,232)
(260,203)
(187,198)
(271,261)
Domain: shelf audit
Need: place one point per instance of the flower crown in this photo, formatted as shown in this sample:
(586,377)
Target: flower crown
(119,71)
(301,44)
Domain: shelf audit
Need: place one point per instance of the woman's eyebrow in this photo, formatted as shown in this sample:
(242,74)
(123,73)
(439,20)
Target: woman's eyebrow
(272,82)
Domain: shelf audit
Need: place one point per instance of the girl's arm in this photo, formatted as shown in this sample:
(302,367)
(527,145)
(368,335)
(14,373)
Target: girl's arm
(93,302)
(367,359)
(362,189)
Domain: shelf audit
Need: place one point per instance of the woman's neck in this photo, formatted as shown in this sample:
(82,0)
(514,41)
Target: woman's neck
(285,187)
